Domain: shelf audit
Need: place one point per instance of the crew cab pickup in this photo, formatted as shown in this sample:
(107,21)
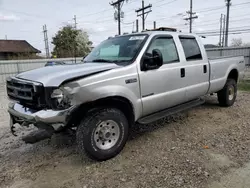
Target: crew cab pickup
(139,77)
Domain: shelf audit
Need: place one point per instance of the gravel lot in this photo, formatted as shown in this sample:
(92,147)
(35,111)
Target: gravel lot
(205,147)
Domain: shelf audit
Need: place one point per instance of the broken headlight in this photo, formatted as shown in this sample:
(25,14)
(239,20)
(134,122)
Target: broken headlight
(59,99)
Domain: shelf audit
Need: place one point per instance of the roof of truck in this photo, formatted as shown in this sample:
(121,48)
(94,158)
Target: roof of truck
(165,32)
(161,31)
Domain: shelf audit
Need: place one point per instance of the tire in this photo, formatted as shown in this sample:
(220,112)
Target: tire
(228,94)
(103,133)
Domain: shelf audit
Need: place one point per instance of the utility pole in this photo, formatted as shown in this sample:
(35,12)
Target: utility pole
(118,5)
(228,3)
(75,27)
(144,13)
(45,31)
(192,16)
(154,24)
(137,25)
(220,30)
(75,22)
(6,37)
(223,30)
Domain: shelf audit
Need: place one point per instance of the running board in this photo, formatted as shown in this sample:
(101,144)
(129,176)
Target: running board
(170,111)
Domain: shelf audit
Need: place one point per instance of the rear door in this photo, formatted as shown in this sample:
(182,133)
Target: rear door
(196,67)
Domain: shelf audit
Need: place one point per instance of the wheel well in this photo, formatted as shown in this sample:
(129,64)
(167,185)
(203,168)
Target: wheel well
(233,75)
(120,103)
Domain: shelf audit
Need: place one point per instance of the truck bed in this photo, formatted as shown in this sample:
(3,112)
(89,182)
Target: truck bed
(218,75)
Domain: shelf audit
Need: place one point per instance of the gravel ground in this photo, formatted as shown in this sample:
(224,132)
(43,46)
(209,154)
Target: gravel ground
(198,148)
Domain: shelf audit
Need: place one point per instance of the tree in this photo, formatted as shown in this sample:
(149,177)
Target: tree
(236,42)
(246,44)
(69,42)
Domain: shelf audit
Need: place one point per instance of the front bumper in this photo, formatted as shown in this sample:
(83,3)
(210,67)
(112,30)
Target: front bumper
(26,116)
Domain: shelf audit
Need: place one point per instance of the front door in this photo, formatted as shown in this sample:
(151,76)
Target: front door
(163,87)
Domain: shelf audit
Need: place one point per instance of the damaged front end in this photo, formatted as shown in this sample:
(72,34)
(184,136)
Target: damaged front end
(48,109)
(47,121)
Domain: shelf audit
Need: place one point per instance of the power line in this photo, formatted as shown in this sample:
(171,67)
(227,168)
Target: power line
(169,18)
(205,10)
(219,7)
(233,33)
(241,27)
(217,23)
(234,30)
(165,3)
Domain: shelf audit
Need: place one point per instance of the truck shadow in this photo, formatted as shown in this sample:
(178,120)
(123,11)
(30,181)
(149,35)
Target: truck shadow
(65,143)
(68,139)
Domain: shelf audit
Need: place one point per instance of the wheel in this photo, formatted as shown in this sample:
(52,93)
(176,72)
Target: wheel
(103,133)
(228,94)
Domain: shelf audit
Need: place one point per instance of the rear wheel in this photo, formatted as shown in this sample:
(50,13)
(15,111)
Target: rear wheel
(103,133)
(228,94)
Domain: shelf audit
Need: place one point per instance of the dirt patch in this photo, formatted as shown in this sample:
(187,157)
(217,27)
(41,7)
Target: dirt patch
(237,178)
(198,148)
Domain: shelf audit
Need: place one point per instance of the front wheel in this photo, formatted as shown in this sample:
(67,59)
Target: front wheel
(103,133)
(228,94)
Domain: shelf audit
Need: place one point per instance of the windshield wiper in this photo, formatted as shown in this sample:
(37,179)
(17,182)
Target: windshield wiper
(101,60)
(120,61)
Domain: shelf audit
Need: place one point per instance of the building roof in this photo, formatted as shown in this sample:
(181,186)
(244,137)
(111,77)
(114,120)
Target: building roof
(17,46)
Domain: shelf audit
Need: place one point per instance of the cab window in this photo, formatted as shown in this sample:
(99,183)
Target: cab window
(167,48)
(191,49)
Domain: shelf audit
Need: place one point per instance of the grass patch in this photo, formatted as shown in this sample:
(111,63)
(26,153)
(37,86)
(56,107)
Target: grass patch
(244,85)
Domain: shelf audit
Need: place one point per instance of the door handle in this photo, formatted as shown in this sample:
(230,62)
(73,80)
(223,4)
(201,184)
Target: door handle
(204,68)
(182,72)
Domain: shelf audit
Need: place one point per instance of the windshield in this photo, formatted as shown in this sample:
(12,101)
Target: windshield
(117,49)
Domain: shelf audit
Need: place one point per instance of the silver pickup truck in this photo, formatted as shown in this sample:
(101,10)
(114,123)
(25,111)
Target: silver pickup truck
(139,77)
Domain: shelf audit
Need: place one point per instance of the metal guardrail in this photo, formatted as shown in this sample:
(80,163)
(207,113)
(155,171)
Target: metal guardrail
(13,67)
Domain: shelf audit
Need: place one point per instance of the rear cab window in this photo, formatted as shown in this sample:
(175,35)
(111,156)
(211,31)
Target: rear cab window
(191,48)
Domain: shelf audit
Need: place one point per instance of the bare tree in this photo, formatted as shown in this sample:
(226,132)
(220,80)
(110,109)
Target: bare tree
(236,42)
(246,44)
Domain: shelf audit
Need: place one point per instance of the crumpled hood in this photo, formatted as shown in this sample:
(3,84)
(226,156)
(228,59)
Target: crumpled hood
(53,76)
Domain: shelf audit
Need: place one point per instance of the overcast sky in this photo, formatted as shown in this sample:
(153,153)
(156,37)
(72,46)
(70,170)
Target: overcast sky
(23,19)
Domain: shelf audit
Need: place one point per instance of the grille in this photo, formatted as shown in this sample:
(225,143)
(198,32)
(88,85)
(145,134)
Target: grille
(25,93)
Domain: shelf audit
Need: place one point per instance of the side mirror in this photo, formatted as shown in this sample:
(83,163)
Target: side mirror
(152,61)
(157,57)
